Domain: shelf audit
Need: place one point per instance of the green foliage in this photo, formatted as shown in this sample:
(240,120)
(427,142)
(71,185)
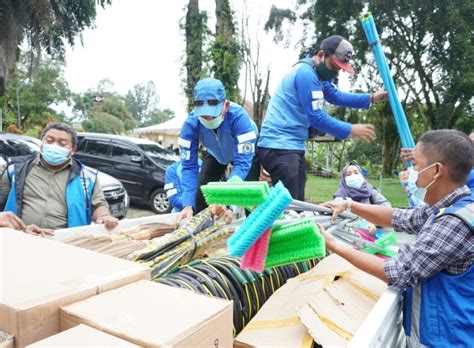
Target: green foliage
(157,117)
(142,100)
(102,122)
(196,31)
(30,94)
(226,51)
(114,106)
(46,24)
(227,58)
(275,21)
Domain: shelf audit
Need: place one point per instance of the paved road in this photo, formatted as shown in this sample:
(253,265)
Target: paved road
(137,211)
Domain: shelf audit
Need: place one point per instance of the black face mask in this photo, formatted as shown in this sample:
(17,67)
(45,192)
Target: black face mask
(324,73)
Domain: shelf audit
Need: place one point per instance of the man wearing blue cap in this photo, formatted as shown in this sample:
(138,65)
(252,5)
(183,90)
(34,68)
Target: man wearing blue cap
(229,136)
(298,104)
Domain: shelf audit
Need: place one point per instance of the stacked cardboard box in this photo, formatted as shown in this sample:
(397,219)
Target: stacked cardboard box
(155,315)
(82,336)
(37,276)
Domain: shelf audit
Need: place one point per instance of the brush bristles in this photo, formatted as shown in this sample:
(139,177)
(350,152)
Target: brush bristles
(236,193)
(254,258)
(295,242)
(259,220)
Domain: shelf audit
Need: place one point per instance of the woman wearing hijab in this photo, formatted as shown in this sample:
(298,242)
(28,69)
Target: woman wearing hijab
(354,186)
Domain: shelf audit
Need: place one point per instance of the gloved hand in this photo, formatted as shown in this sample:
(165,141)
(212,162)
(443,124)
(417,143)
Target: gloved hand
(380,96)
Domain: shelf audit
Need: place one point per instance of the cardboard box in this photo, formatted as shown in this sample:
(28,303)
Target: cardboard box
(37,276)
(283,319)
(156,315)
(83,336)
(6,340)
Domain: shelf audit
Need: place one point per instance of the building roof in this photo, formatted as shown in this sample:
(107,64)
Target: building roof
(172,126)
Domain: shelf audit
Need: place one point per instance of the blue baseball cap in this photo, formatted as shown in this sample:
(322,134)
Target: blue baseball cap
(209,89)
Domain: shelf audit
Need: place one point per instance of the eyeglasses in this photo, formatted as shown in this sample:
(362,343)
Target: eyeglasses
(210,102)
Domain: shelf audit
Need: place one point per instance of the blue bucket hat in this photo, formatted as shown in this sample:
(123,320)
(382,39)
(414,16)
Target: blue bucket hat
(209,89)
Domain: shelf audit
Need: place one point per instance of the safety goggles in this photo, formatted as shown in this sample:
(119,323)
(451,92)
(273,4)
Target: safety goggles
(210,102)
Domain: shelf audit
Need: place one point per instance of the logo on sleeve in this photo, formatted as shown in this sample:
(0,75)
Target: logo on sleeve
(246,148)
(185,154)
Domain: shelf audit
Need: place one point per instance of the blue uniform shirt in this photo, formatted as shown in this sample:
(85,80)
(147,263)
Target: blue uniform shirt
(234,141)
(298,103)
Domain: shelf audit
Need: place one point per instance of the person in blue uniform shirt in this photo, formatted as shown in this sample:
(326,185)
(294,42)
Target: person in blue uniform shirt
(229,135)
(298,104)
(173,178)
(436,269)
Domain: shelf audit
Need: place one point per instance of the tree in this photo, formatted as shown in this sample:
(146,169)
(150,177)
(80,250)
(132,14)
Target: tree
(93,105)
(157,117)
(46,24)
(226,50)
(430,64)
(31,96)
(256,80)
(195,32)
(142,100)
(101,122)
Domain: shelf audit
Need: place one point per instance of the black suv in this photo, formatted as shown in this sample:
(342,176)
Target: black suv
(139,164)
(15,146)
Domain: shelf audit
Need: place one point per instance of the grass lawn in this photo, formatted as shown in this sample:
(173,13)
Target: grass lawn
(321,189)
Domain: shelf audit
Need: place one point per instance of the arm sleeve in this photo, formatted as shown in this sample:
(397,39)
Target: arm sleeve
(409,220)
(378,199)
(98,199)
(245,137)
(5,189)
(188,145)
(351,100)
(173,187)
(421,259)
(311,98)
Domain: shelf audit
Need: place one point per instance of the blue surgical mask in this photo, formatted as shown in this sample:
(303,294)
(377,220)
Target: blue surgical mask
(355,180)
(212,124)
(419,192)
(54,154)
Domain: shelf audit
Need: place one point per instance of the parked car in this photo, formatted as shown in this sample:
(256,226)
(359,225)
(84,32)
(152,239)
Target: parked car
(139,164)
(15,146)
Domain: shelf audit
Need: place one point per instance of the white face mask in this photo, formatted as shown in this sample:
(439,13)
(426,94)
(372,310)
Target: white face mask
(355,180)
(420,192)
(212,124)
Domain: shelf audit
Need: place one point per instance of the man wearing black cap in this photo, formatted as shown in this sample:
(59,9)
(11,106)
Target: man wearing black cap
(298,104)
(226,131)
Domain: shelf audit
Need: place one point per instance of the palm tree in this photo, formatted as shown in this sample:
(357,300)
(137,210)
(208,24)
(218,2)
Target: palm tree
(45,24)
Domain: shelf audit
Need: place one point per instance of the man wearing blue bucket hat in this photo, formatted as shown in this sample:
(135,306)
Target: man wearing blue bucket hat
(226,131)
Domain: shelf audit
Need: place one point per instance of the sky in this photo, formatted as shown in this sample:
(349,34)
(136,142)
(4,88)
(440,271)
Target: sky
(135,41)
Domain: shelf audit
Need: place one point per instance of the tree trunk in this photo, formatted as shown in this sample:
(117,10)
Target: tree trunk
(194,41)
(10,37)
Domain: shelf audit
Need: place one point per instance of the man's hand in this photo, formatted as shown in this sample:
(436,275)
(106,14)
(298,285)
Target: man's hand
(328,238)
(108,220)
(36,230)
(380,96)
(186,213)
(371,228)
(337,207)
(406,154)
(222,210)
(365,132)
(10,220)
